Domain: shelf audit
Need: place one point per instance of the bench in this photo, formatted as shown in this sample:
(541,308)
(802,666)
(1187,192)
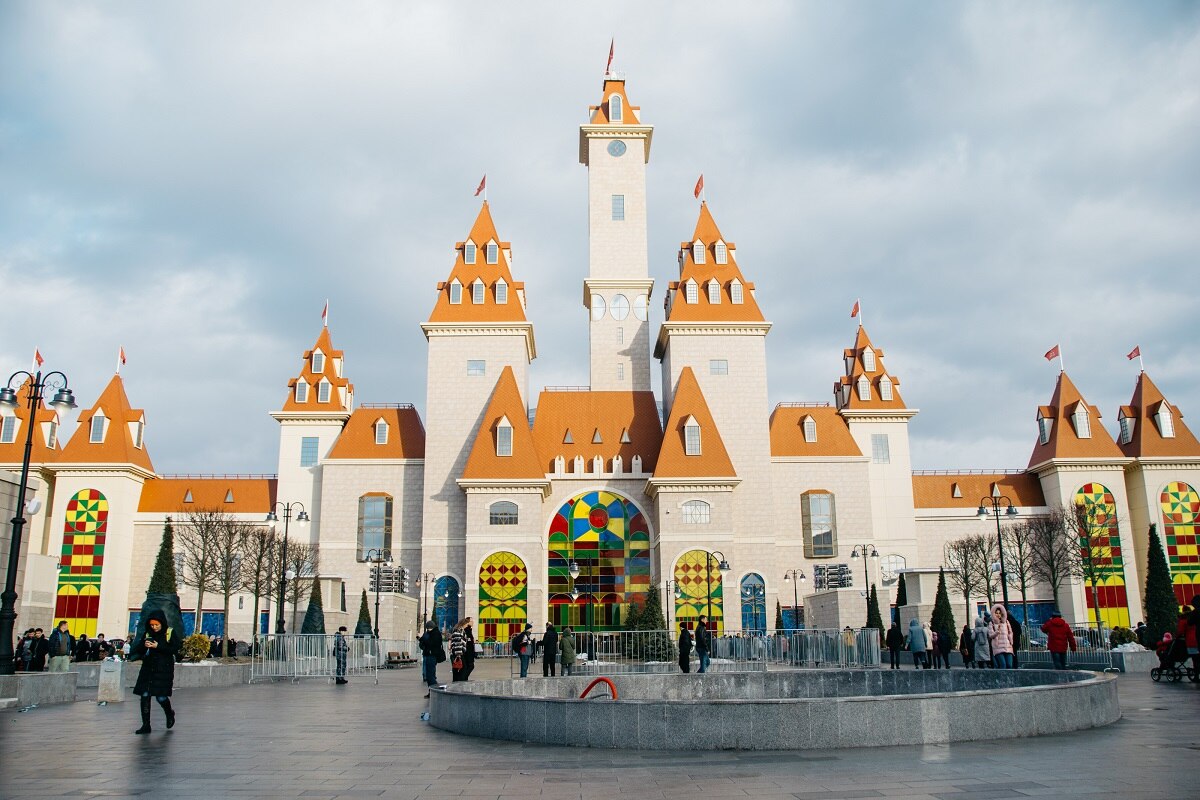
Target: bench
(401,660)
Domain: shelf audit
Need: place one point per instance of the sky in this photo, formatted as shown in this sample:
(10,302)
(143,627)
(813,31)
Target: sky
(192,181)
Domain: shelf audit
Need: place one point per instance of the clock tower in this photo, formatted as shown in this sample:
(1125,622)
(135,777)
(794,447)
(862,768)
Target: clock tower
(615,146)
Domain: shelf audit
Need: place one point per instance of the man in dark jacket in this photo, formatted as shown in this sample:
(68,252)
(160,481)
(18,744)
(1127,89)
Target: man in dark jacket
(62,645)
(101,649)
(685,646)
(703,642)
(895,644)
(549,651)
(1015,627)
(39,649)
(431,653)
(83,648)
(943,645)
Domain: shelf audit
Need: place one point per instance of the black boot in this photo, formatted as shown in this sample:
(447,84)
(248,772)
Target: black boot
(145,716)
(170,712)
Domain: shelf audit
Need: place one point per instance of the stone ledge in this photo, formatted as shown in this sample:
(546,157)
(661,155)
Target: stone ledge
(40,688)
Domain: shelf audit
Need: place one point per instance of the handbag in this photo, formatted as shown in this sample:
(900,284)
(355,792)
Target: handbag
(457,663)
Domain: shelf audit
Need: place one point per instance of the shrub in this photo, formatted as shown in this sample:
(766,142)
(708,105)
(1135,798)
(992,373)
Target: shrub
(1121,636)
(195,647)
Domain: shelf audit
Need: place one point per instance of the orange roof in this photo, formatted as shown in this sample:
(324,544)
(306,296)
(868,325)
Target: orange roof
(341,393)
(117,446)
(937,491)
(856,369)
(612,414)
(833,435)
(1063,442)
(600,113)
(1147,441)
(524,463)
(713,461)
(724,274)
(180,495)
(14,452)
(405,434)
(513,310)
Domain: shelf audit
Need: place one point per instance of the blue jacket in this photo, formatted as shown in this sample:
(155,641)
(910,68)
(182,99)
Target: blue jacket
(55,644)
(916,638)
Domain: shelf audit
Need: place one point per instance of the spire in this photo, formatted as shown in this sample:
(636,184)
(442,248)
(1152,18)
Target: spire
(690,408)
(1070,428)
(321,385)
(866,383)
(505,410)
(619,112)
(1151,427)
(501,299)
(110,432)
(46,444)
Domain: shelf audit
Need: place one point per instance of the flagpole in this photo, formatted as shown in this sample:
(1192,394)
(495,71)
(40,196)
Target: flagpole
(1062,362)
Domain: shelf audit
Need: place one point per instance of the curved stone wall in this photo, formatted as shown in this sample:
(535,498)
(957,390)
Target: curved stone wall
(782,710)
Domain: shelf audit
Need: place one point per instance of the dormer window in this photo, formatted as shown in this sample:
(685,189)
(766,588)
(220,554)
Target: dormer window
(51,434)
(318,362)
(1126,429)
(615,112)
(323,391)
(301,391)
(714,293)
(8,430)
(568,439)
(698,252)
(864,388)
(736,296)
(885,388)
(1045,426)
(692,292)
(187,498)
(1165,421)
(956,491)
(381,432)
(691,437)
(96,434)
(625,436)
(501,292)
(810,430)
(469,253)
(493,253)
(597,438)
(139,430)
(868,357)
(1083,426)
(722,253)
(455,292)
(229,495)
(477,290)
(504,437)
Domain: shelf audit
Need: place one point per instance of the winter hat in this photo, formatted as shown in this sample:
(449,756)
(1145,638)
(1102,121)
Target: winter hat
(1055,613)
(528,626)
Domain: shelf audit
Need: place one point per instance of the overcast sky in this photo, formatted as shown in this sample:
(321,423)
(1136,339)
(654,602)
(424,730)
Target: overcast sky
(191,181)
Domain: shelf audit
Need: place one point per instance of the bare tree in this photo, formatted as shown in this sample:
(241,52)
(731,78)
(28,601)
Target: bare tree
(303,560)
(260,567)
(196,542)
(983,554)
(1092,527)
(228,559)
(961,572)
(1054,548)
(1018,564)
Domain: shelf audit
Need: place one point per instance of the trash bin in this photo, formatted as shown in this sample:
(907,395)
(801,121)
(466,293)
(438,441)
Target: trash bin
(112,681)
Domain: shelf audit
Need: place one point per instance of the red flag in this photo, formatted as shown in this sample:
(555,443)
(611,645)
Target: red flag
(1136,352)
(37,358)
(608,66)
(854,311)
(325,313)
(1052,353)
(699,186)
(121,355)
(482,185)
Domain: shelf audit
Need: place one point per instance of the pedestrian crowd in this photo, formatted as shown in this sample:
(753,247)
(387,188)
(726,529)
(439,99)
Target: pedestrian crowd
(37,652)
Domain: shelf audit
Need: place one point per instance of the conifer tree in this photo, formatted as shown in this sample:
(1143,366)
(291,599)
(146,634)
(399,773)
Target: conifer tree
(901,592)
(874,620)
(314,617)
(1162,607)
(778,617)
(363,627)
(163,593)
(943,616)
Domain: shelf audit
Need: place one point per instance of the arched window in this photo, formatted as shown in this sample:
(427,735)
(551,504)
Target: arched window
(503,597)
(446,593)
(374,523)
(864,388)
(885,388)
(381,432)
(503,512)
(820,528)
(1082,422)
(754,603)
(615,112)
(691,437)
(810,429)
(697,512)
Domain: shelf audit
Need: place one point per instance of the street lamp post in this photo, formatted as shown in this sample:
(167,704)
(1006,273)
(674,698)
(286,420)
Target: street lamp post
(995,501)
(301,519)
(427,577)
(723,566)
(378,557)
(868,551)
(672,589)
(794,577)
(63,402)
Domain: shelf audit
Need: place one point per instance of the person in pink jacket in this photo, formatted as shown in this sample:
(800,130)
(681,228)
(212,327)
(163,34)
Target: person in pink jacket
(1001,638)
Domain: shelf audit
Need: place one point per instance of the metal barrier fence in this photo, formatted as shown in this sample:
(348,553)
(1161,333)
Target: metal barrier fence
(610,652)
(311,655)
(1090,654)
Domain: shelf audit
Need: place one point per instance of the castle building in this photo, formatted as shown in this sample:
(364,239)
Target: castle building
(572,506)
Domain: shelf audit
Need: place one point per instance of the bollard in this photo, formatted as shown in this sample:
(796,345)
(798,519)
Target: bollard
(112,681)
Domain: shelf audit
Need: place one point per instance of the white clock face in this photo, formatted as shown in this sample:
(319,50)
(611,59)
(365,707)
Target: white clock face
(620,307)
(616,148)
(597,307)
(640,304)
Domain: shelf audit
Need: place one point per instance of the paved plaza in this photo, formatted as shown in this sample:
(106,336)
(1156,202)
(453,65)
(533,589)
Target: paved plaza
(315,740)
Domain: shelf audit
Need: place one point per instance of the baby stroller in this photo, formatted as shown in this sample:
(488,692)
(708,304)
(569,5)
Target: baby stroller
(1172,654)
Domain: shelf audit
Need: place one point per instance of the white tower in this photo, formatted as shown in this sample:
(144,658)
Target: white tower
(615,148)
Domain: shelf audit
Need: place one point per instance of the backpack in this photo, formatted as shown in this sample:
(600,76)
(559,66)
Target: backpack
(518,642)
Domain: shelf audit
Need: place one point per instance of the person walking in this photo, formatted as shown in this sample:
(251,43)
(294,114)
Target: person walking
(703,639)
(685,646)
(458,651)
(935,652)
(39,650)
(549,651)
(895,643)
(432,653)
(1000,635)
(944,644)
(24,652)
(61,646)
(341,649)
(566,650)
(522,645)
(1058,639)
(468,648)
(966,641)
(981,644)
(156,650)
(917,644)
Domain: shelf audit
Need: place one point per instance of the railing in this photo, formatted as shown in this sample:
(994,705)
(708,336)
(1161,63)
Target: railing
(311,655)
(385,405)
(1093,652)
(822,648)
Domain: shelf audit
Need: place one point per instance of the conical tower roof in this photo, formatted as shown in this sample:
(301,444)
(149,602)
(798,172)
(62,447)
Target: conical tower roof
(689,406)
(1158,427)
(866,384)
(338,398)
(733,304)
(502,299)
(46,445)
(505,408)
(1066,439)
(120,440)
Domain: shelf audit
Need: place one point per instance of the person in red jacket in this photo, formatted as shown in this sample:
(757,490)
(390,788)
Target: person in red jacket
(1058,639)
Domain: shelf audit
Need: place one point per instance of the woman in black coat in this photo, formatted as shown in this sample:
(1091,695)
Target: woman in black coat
(157,651)
(685,647)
